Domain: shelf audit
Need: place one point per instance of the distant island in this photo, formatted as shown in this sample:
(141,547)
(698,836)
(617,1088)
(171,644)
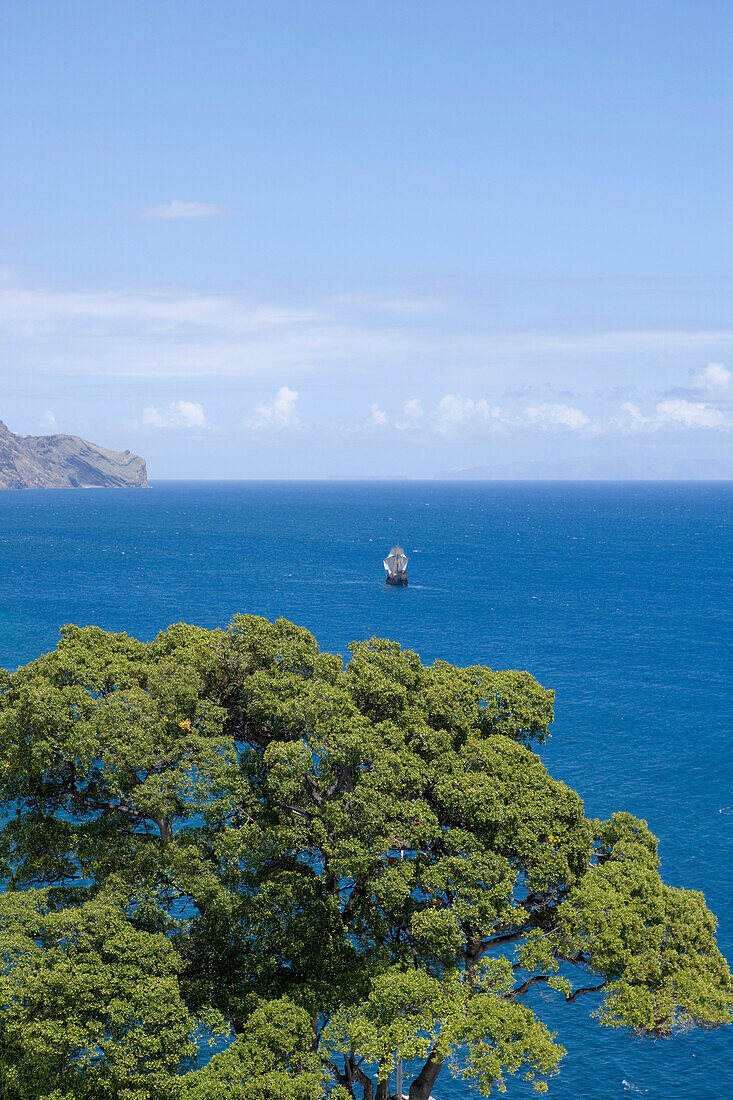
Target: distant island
(65,462)
(657,467)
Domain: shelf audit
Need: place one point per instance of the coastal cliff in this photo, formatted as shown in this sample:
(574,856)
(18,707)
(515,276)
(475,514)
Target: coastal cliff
(65,462)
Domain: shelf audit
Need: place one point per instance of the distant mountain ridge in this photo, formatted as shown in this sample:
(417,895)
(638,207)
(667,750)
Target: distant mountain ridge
(65,462)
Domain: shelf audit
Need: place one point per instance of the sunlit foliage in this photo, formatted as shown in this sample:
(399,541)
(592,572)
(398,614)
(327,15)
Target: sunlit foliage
(229,838)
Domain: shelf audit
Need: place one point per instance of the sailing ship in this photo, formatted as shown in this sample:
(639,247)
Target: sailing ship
(396,565)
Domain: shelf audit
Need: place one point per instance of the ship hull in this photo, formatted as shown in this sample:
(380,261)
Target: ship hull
(397,578)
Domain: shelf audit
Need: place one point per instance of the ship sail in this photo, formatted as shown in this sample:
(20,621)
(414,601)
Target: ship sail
(396,561)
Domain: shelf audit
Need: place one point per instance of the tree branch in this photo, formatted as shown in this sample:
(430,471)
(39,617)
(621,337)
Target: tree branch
(339,783)
(522,989)
(314,791)
(586,989)
(97,804)
(499,941)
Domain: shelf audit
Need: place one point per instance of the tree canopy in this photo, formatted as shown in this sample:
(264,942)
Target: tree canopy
(229,838)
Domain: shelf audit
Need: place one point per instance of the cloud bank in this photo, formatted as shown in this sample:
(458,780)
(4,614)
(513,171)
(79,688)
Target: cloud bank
(180,334)
(456,416)
(677,414)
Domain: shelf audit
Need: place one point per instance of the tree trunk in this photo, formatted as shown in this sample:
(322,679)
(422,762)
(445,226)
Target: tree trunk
(382,1092)
(362,1078)
(348,1076)
(165,825)
(422,1085)
(474,950)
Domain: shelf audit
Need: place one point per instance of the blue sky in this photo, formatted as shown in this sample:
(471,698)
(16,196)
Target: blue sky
(326,239)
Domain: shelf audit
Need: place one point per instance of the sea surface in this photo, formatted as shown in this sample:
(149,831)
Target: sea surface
(616,595)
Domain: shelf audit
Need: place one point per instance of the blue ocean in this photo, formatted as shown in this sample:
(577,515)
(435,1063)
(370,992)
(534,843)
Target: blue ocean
(616,595)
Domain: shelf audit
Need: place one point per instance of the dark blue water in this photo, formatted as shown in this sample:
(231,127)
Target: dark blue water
(618,596)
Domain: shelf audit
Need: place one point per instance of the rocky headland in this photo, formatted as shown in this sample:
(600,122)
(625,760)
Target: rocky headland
(65,462)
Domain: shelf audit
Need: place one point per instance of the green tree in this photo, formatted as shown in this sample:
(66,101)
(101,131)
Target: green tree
(91,1006)
(336,865)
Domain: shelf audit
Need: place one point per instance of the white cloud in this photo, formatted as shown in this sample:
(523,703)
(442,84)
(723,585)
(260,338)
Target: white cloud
(282,413)
(412,413)
(676,414)
(632,420)
(187,334)
(377,417)
(688,414)
(36,312)
(551,417)
(179,209)
(715,380)
(179,414)
(454,414)
(48,421)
